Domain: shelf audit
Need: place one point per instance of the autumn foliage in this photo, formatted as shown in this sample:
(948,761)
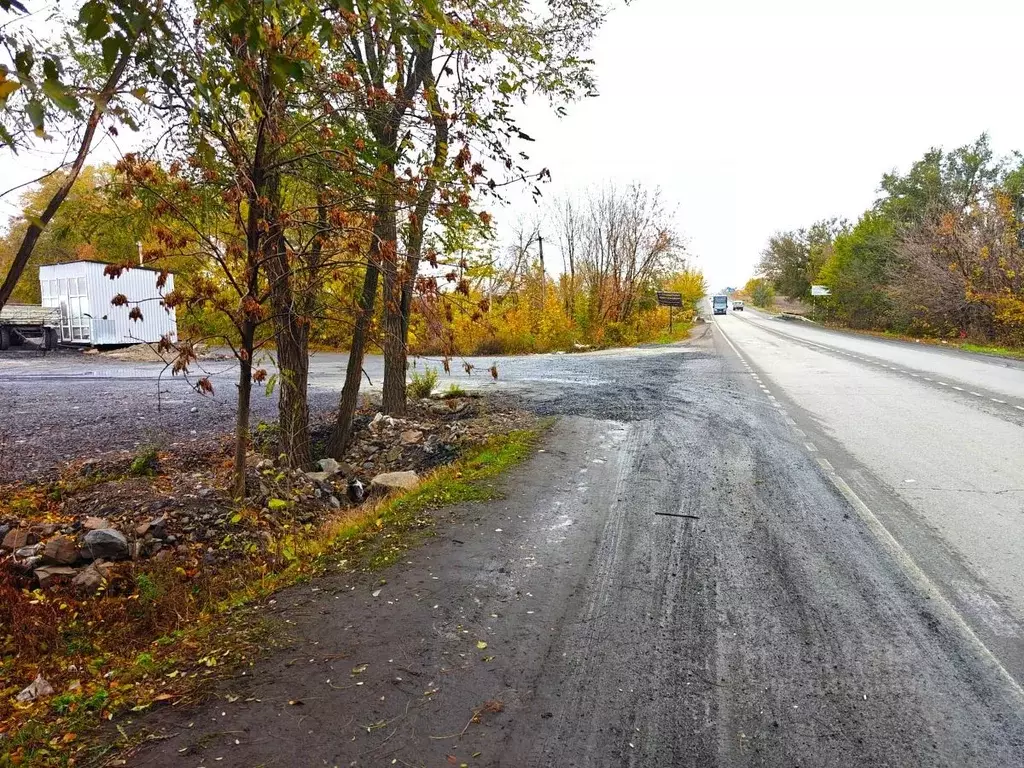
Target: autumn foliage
(940,254)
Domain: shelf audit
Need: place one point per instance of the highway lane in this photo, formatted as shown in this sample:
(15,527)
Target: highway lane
(987,374)
(931,440)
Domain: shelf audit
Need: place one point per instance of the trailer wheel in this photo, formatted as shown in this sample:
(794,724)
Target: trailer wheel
(5,337)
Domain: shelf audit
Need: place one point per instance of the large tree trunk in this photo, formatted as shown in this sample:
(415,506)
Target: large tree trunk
(395,355)
(291,333)
(396,386)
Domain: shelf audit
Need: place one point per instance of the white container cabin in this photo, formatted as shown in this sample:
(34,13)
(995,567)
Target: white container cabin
(83,294)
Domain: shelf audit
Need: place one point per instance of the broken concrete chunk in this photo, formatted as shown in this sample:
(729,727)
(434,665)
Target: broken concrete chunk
(106,543)
(329,466)
(18,538)
(61,550)
(47,573)
(30,551)
(393,481)
(90,579)
(412,437)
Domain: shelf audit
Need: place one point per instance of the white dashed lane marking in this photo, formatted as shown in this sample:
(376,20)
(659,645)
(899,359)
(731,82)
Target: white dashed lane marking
(904,372)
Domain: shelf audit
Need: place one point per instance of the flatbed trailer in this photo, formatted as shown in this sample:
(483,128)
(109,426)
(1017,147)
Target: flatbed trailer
(29,324)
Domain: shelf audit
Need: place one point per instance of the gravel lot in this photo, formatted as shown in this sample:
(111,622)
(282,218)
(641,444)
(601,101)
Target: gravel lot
(67,405)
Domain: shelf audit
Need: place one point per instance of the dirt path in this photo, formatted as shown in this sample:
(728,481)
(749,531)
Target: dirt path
(680,586)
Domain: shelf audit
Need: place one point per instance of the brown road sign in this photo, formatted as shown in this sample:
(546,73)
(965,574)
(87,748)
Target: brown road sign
(670,299)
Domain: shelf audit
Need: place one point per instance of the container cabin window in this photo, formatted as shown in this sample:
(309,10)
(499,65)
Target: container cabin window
(65,312)
(71,295)
(78,299)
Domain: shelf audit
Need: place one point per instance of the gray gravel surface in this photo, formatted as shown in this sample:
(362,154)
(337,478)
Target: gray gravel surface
(673,580)
(65,406)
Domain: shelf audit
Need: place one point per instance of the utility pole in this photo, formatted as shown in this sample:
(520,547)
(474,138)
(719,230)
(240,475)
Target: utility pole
(543,274)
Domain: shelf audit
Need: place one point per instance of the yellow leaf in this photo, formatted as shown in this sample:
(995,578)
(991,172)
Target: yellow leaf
(480,644)
(7,87)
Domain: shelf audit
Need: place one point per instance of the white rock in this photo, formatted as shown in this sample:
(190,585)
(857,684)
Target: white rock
(393,481)
(39,687)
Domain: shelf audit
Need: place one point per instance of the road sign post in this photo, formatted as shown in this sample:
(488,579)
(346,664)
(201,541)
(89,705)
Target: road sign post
(670,300)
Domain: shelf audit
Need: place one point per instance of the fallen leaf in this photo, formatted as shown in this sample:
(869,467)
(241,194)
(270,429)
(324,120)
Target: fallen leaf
(480,644)
(296,702)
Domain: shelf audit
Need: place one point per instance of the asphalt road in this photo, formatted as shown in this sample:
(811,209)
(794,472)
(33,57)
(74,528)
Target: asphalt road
(676,579)
(931,440)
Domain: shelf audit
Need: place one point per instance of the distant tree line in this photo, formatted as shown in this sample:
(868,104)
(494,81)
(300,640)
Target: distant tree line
(938,254)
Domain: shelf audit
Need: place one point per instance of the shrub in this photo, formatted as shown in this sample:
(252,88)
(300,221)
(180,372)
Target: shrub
(454,390)
(144,464)
(423,385)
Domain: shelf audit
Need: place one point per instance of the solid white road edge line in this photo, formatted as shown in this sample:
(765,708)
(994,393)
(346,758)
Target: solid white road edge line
(909,566)
(922,582)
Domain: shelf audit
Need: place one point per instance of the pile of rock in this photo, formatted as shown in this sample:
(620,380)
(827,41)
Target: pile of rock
(82,552)
(387,443)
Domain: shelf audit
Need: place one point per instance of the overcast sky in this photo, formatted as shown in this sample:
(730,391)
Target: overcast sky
(769,115)
(753,123)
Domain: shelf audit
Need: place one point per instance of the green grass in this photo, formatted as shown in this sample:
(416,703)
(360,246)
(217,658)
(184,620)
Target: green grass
(379,537)
(680,332)
(454,390)
(1016,354)
(144,463)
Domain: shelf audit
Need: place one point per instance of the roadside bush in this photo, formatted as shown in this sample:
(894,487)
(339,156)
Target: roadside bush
(144,464)
(455,391)
(423,385)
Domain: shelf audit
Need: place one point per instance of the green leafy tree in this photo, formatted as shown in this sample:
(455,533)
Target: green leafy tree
(89,225)
(435,86)
(859,270)
(104,61)
(785,262)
